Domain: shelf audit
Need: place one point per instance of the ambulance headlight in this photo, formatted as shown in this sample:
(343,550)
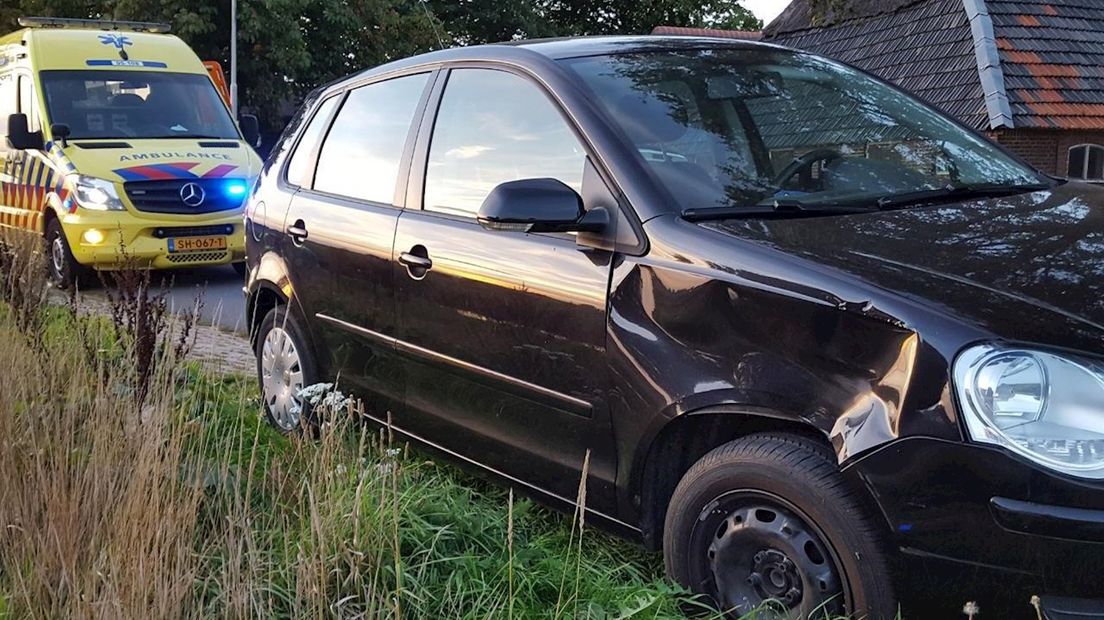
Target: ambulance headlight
(1045,406)
(96,194)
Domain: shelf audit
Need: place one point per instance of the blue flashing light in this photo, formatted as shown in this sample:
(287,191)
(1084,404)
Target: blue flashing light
(236,188)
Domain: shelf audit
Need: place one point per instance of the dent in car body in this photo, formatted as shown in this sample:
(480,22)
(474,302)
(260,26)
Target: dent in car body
(849,324)
(708,320)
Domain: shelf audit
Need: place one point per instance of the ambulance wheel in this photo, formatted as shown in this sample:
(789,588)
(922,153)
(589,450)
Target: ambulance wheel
(240,269)
(64,270)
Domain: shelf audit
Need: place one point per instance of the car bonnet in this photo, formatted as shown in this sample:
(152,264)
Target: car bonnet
(1029,266)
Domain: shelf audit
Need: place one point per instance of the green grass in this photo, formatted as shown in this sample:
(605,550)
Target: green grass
(180,501)
(460,554)
(137,485)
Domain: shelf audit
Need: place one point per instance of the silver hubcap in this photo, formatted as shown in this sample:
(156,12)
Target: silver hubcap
(57,255)
(282,378)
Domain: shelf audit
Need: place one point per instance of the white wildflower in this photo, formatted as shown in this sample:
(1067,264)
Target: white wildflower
(322,395)
(313,393)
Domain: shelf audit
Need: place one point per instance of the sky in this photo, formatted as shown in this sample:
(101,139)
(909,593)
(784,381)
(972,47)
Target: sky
(766,10)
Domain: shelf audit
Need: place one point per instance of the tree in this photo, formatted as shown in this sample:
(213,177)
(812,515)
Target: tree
(288,47)
(470,22)
(485,21)
(571,17)
(285,47)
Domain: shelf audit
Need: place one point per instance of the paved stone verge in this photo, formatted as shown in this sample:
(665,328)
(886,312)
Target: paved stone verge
(219,350)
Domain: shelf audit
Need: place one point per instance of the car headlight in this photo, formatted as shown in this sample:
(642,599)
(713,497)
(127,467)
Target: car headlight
(1048,407)
(96,194)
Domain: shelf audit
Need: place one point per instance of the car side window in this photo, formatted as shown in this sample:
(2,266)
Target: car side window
(361,154)
(8,105)
(27,103)
(299,166)
(492,127)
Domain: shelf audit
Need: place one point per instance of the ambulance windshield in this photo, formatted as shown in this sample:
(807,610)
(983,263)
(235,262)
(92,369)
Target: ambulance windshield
(136,104)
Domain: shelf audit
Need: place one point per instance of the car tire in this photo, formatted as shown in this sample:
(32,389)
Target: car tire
(240,268)
(64,270)
(285,365)
(769,516)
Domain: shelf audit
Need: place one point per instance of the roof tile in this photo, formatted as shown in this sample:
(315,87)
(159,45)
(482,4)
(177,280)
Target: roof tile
(680,31)
(1051,53)
(925,46)
(1054,70)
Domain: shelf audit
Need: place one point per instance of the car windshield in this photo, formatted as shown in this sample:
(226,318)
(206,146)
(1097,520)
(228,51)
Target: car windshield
(136,104)
(732,128)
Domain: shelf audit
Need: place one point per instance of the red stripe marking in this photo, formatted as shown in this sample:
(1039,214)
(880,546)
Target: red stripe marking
(158,172)
(183,166)
(152,173)
(219,171)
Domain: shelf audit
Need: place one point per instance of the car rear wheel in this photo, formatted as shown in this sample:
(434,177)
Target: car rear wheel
(768,520)
(284,368)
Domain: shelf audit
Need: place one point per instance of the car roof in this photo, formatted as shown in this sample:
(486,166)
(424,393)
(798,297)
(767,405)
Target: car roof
(572,47)
(532,51)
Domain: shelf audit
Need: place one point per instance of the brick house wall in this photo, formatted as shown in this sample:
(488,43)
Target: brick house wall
(1046,149)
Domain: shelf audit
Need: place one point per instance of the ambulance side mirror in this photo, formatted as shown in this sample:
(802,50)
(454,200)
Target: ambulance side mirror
(20,138)
(60,132)
(251,129)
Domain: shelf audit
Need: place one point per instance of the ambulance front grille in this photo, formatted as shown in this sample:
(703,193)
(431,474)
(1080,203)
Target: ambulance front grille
(167,196)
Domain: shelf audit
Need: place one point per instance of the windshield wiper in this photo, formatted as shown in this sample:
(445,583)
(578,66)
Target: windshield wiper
(957,192)
(780,208)
(789,207)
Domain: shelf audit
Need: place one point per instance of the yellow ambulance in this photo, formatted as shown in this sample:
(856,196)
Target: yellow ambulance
(116,147)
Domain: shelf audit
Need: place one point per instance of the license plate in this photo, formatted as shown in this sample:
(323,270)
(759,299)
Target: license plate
(196,244)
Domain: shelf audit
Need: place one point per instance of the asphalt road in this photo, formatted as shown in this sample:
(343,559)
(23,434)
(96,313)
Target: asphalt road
(218,288)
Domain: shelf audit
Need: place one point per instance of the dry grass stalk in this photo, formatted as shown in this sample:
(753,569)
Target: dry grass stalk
(98,521)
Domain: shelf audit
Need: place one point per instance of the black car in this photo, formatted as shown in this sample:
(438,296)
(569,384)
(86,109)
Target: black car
(811,332)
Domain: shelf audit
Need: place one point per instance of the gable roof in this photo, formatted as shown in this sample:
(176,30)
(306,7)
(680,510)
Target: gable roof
(991,63)
(925,47)
(804,15)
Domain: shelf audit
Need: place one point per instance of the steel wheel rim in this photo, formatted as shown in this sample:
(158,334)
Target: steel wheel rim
(57,255)
(747,558)
(282,378)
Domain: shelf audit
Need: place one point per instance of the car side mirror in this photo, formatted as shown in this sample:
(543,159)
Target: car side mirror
(20,137)
(539,205)
(251,129)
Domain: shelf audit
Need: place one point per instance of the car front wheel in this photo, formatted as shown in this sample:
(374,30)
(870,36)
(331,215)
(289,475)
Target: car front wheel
(64,270)
(767,520)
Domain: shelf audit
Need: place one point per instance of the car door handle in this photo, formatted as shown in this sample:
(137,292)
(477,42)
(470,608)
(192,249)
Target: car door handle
(417,262)
(297,231)
(413,260)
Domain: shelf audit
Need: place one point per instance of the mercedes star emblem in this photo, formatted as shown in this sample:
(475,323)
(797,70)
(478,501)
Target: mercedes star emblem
(192,194)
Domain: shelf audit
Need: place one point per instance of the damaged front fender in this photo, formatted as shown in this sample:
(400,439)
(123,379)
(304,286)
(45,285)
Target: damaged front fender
(809,347)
